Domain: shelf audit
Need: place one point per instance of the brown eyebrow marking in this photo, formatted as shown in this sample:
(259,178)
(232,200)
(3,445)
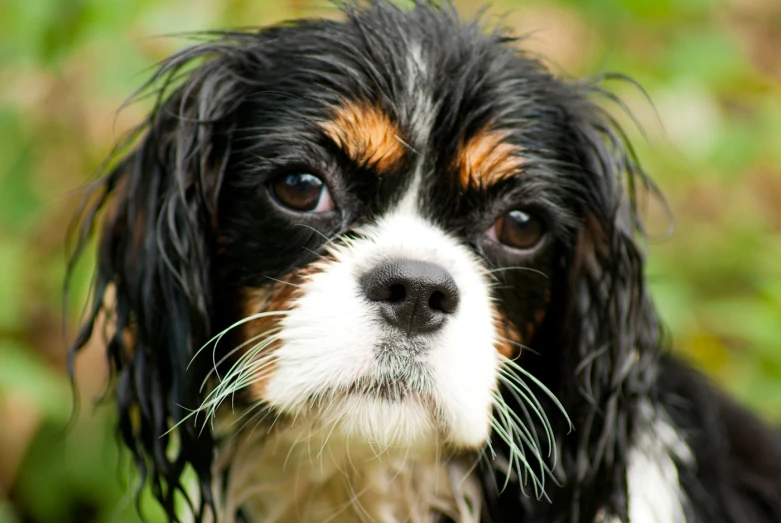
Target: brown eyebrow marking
(367,135)
(487,158)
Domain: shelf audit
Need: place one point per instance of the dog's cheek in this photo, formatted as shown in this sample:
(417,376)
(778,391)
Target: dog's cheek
(540,311)
(508,337)
(326,339)
(280,296)
(465,361)
(518,314)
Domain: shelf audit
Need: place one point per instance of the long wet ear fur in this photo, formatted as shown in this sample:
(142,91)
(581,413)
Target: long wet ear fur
(153,294)
(600,335)
(611,334)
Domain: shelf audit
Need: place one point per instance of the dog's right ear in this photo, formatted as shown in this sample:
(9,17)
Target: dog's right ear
(152,290)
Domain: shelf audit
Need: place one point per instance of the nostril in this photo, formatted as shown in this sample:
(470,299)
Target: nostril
(396,293)
(437,301)
(444,299)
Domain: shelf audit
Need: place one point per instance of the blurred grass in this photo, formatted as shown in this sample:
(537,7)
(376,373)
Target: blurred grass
(711,67)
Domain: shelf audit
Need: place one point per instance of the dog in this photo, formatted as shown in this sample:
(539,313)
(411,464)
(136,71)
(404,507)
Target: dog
(390,268)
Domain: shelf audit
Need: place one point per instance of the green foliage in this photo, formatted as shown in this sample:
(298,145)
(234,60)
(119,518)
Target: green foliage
(711,67)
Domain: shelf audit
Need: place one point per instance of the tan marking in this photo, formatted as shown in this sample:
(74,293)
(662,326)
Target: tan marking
(508,338)
(487,158)
(592,247)
(539,315)
(367,135)
(277,296)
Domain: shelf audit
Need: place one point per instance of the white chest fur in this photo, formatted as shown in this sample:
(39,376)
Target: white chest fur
(286,479)
(655,494)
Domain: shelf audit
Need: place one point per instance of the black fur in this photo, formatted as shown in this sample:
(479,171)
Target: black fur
(187,202)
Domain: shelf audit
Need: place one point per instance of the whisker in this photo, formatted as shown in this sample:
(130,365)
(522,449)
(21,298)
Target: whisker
(530,432)
(283,281)
(518,268)
(529,399)
(233,351)
(217,337)
(524,433)
(256,414)
(326,238)
(405,144)
(515,426)
(241,377)
(516,453)
(312,251)
(522,405)
(497,286)
(518,429)
(510,363)
(524,348)
(243,361)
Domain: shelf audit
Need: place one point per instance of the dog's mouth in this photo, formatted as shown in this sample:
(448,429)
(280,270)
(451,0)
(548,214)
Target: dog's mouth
(386,389)
(398,374)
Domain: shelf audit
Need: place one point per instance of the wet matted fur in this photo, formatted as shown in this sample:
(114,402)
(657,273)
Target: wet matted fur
(389,269)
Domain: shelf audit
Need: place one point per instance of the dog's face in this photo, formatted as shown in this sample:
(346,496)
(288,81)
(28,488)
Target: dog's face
(371,220)
(394,221)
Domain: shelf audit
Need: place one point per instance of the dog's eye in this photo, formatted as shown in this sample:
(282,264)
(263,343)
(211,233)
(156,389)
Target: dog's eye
(302,192)
(517,229)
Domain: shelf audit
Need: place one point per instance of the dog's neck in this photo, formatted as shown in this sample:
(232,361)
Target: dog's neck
(290,476)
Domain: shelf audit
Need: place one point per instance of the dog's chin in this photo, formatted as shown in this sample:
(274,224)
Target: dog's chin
(383,421)
(411,425)
(389,414)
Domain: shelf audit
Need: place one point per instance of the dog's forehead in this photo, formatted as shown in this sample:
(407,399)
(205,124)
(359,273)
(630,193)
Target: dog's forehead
(372,136)
(393,104)
(406,99)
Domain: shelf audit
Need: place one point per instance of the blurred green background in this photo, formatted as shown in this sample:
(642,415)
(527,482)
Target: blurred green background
(713,69)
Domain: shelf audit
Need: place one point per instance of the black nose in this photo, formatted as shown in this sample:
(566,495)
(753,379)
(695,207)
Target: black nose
(415,296)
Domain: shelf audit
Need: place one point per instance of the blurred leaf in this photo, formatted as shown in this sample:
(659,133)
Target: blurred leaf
(709,56)
(736,146)
(21,372)
(77,475)
(755,322)
(7,513)
(65,64)
(674,300)
(14,263)
(18,202)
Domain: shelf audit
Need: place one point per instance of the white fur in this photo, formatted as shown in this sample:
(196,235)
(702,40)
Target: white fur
(300,476)
(655,494)
(329,340)
(419,113)
(348,457)
(422,110)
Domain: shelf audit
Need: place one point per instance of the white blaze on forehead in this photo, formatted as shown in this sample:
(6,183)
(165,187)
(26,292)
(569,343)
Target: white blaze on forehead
(330,337)
(421,108)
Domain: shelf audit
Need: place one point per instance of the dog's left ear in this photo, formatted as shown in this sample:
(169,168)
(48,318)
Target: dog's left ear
(611,329)
(153,288)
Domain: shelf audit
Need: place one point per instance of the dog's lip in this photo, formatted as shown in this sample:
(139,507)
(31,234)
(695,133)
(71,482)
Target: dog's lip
(385,389)
(388,388)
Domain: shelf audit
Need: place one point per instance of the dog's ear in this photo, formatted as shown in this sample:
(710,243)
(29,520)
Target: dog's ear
(611,330)
(153,294)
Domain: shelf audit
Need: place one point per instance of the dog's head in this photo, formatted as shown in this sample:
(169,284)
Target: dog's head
(359,227)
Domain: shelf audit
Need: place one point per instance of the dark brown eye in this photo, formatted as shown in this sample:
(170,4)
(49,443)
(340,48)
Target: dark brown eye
(302,192)
(517,229)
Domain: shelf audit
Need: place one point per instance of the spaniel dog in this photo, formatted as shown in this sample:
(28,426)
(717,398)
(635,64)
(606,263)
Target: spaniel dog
(389,269)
